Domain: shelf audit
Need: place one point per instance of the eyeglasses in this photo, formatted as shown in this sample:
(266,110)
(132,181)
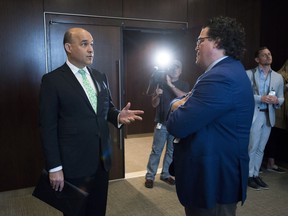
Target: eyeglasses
(201,40)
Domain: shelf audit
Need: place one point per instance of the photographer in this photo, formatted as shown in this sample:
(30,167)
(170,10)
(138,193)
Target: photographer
(168,86)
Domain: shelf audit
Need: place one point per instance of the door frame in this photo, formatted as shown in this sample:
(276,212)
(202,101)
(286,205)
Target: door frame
(118,165)
(107,59)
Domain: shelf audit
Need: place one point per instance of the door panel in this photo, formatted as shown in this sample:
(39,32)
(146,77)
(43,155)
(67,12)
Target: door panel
(107,40)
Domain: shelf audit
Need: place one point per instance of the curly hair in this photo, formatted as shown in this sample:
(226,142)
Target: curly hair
(230,33)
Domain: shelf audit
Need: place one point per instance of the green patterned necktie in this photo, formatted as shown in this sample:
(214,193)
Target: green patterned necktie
(89,90)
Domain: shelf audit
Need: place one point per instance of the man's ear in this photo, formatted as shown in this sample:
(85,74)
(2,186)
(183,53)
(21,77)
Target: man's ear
(217,42)
(257,60)
(67,47)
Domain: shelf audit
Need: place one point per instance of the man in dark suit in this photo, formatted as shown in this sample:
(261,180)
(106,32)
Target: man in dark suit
(74,122)
(213,124)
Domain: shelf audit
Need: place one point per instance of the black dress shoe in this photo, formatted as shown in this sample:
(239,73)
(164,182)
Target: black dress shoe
(252,184)
(260,182)
(276,169)
(149,183)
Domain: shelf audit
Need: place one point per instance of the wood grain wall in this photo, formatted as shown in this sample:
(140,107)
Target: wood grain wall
(22,60)
(21,68)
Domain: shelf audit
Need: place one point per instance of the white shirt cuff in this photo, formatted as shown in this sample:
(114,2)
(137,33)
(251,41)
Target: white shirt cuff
(56,169)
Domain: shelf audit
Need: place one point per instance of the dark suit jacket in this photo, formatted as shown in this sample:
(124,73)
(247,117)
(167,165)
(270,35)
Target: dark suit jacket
(72,134)
(211,160)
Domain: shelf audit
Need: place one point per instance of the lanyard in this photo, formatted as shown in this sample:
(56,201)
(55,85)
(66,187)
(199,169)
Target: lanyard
(255,87)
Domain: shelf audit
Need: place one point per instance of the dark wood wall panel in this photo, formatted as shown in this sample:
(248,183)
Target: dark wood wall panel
(274,35)
(21,68)
(91,7)
(274,31)
(245,11)
(159,10)
(248,13)
(200,10)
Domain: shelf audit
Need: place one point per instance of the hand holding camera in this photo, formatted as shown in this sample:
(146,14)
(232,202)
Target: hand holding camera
(158,91)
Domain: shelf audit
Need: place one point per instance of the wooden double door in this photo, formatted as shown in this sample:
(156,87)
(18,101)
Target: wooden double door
(107,59)
(122,54)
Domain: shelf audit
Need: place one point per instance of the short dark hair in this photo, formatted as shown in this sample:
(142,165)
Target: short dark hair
(230,33)
(256,54)
(67,37)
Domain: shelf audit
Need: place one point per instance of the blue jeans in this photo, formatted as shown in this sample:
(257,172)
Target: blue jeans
(161,137)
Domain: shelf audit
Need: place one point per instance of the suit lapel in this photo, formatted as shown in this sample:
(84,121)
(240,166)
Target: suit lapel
(272,82)
(271,109)
(73,81)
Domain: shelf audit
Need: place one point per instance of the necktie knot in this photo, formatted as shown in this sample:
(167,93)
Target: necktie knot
(82,72)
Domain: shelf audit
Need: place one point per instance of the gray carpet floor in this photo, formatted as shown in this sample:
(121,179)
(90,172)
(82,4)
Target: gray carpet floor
(129,197)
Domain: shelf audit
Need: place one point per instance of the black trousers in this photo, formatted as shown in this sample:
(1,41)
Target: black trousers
(219,210)
(97,187)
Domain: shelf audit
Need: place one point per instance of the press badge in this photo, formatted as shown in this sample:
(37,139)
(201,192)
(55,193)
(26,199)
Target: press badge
(272,92)
(158,126)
